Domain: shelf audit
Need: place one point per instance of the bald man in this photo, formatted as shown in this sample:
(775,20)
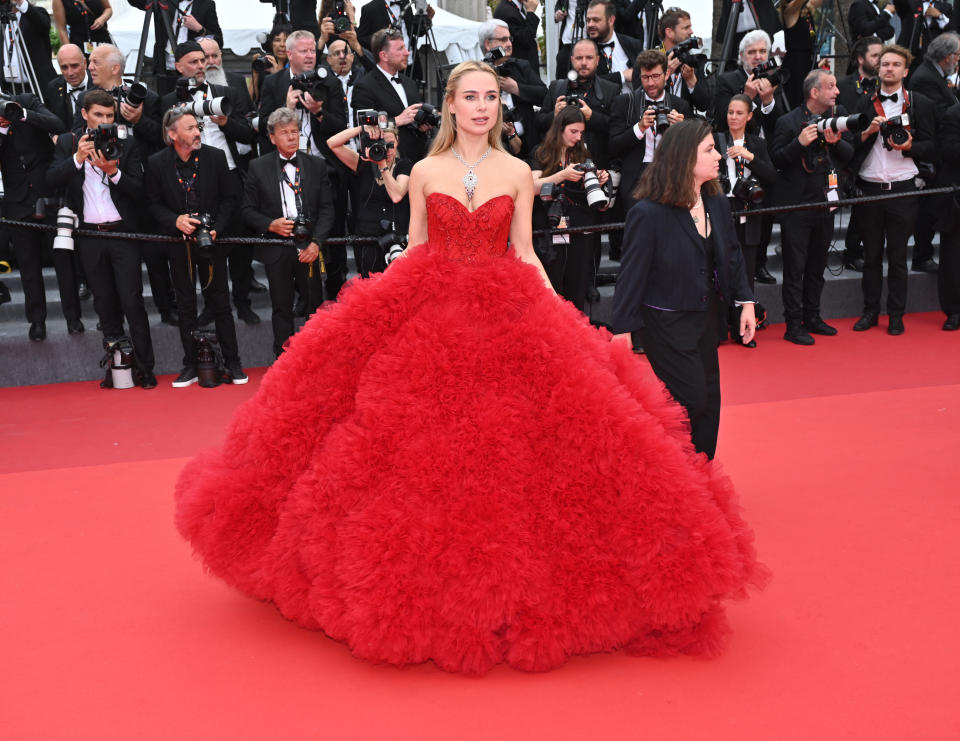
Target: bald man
(64,90)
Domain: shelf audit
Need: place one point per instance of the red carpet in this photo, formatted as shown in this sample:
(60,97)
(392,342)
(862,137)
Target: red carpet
(843,455)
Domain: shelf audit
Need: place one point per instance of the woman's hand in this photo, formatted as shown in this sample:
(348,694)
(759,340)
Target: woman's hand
(603,176)
(570,172)
(748,322)
(741,152)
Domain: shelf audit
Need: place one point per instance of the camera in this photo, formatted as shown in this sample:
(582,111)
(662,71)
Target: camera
(509,113)
(613,186)
(253,119)
(312,82)
(106,139)
(684,51)
(573,96)
(209,358)
(748,190)
(120,358)
(496,53)
(374,149)
(370,117)
(132,95)
(341,21)
(201,234)
(66,222)
(596,195)
(10,109)
(301,233)
(426,114)
(768,70)
(661,112)
(261,63)
(210,107)
(840,124)
(893,131)
(553,194)
(392,243)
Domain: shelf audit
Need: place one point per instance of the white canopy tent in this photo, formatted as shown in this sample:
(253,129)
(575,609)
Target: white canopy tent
(242,20)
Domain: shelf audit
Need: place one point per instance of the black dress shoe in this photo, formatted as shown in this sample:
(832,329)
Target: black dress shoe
(206,317)
(300,308)
(4,294)
(925,266)
(593,295)
(169,317)
(257,287)
(75,326)
(763,276)
(149,381)
(895,326)
(869,319)
(83,291)
(248,315)
(818,326)
(855,264)
(952,324)
(739,341)
(38,331)
(615,254)
(798,336)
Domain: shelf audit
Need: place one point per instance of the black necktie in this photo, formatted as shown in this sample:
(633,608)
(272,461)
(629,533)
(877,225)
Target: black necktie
(892,97)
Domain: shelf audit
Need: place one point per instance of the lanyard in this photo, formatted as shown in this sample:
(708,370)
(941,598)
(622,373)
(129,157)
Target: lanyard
(189,184)
(294,186)
(180,15)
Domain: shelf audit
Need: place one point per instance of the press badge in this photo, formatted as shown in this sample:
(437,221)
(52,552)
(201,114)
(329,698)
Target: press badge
(832,185)
(561,238)
(303,147)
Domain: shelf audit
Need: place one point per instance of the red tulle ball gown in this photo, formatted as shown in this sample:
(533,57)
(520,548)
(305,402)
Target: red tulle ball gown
(451,464)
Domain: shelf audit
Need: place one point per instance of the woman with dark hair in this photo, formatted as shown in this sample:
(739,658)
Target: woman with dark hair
(799,35)
(568,259)
(82,22)
(746,175)
(680,259)
(273,60)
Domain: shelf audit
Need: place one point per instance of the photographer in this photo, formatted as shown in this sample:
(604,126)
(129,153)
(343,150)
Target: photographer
(948,277)
(685,64)
(337,21)
(103,177)
(868,18)
(312,92)
(288,194)
(385,89)
(639,120)
(404,16)
(270,61)
(25,154)
(746,175)
(809,160)
(902,133)
(378,188)
(65,89)
(190,191)
(617,51)
(520,17)
(85,19)
(216,74)
(520,87)
(755,15)
(799,35)
(32,24)
(558,161)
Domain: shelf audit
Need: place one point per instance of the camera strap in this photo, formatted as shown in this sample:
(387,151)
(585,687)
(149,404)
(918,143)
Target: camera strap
(189,184)
(905,108)
(294,186)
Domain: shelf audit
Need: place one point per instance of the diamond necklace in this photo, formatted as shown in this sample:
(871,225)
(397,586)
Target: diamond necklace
(470,179)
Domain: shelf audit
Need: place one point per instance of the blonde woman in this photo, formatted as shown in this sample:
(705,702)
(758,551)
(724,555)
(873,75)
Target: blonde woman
(422,474)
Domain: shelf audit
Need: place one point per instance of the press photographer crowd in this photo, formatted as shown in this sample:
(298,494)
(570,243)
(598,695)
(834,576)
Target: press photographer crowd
(318,140)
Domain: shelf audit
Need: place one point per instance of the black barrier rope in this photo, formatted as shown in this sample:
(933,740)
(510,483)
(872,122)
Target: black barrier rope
(589,229)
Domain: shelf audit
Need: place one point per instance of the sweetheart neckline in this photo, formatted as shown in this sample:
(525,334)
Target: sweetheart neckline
(463,206)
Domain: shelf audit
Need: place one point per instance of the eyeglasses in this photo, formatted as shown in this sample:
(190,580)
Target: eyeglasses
(651,78)
(502,39)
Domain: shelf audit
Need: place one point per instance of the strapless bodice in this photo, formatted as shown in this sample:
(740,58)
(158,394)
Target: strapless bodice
(468,235)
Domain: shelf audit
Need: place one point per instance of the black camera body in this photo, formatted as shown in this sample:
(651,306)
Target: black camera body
(748,190)
(338,14)
(370,117)
(768,70)
(133,94)
(106,139)
(260,63)
(427,114)
(391,242)
(893,131)
(596,196)
(312,82)
(661,113)
(10,109)
(494,55)
(302,235)
(684,51)
(374,150)
(202,235)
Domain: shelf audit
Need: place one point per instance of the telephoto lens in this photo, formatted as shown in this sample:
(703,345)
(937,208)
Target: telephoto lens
(136,93)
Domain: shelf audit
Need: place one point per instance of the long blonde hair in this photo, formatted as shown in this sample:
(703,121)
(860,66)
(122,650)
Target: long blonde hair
(447,135)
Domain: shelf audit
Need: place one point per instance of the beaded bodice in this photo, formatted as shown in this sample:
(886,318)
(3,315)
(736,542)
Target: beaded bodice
(468,235)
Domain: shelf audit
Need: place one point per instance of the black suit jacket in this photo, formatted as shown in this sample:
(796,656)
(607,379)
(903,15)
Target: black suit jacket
(627,110)
(237,129)
(147,131)
(238,83)
(664,262)
(866,19)
(523,30)
(599,95)
(218,191)
(374,16)
(914,36)
(530,93)
(35,31)
(127,193)
(631,48)
(799,181)
(332,119)
(760,168)
(374,91)
(948,170)
(927,80)
(205,11)
(262,200)
(731,83)
(58,102)
(923,129)
(851,92)
(25,154)
(763,10)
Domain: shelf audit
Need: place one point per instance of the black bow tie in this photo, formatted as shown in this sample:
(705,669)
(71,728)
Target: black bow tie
(608,45)
(200,88)
(395,80)
(284,161)
(892,97)
(73,90)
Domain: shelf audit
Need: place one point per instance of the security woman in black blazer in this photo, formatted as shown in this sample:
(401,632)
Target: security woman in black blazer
(681,258)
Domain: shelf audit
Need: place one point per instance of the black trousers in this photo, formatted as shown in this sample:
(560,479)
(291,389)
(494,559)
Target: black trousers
(750,261)
(682,349)
(115,279)
(211,271)
(31,247)
(240,267)
(894,222)
(948,277)
(571,274)
(158,273)
(283,275)
(806,239)
(930,210)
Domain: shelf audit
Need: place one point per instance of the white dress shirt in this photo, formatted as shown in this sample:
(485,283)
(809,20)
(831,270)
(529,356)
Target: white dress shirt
(650,135)
(213,135)
(287,197)
(395,85)
(883,165)
(186,8)
(98,206)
